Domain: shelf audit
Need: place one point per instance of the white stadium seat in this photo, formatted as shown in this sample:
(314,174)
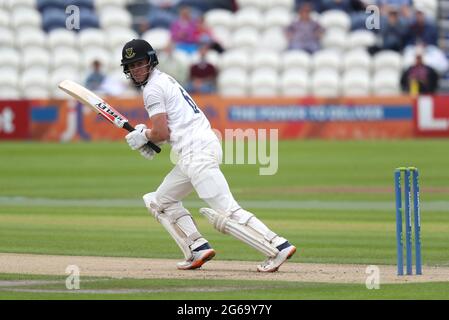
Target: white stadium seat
(242,4)
(212,56)
(34,83)
(265,59)
(4,18)
(65,57)
(233,82)
(235,58)
(36,93)
(9,57)
(118,36)
(288,4)
(222,35)
(294,59)
(158,37)
(25,16)
(429,7)
(356,83)
(248,17)
(326,59)
(61,74)
(264,82)
(295,83)
(91,38)
(9,77)
(31,37)
(216,18)
(115,17)
(387,59)
(333,19)
(9,93)
(361,39)
(22,4)
(245,38)
(266,4)
(102,4)
(334,39)
(61,38)
(357,59)
(326,83)
(277,17)
(7,38)
(386,82)
(35,57)
(273,39)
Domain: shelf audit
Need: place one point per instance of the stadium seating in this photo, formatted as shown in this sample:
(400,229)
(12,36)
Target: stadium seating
(233,82)
(248,17)
(356,82)
(158,37)
(9,57)
(25,16)
(358,59)
(296,59)
(245,38)
(277,17)
(30,37)
(91,37)
(326,83)
(334,39)
(5,19)
(33,36)
(35,57)
(360,39)
(273,39)
(7,39)
(53,18)
(295,83)
(386,83)
(34,83)
(387,60)
(65,56)
(266,59)
(264,82)
(61,38)
(326,59)
(235,58)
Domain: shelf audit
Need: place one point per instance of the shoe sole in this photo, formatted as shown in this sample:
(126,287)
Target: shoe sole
(198,263)
(290,254)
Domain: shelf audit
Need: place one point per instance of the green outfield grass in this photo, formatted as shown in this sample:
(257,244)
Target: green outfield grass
(310,173)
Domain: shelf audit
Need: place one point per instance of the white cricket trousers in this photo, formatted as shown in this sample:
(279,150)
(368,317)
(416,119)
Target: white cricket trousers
(201,172)
(198,171)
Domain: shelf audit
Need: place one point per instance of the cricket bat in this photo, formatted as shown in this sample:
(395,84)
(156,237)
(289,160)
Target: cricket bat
(88,98)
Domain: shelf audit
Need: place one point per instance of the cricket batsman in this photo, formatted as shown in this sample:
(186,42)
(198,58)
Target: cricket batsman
(177,120)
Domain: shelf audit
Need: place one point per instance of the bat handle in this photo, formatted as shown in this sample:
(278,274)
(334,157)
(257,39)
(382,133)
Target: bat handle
(130,128)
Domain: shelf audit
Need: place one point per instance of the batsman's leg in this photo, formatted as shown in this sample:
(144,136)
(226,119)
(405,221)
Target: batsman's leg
(228,217)
(167,208)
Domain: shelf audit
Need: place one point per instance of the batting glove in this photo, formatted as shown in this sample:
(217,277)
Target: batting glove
(147,152)
(137,138)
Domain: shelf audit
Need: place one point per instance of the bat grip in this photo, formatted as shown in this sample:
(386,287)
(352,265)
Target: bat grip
(153,146)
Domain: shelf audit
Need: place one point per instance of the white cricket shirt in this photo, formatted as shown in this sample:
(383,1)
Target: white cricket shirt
(189,127)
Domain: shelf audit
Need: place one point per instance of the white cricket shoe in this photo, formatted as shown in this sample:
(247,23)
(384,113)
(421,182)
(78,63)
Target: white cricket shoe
(200,256)
(286,251)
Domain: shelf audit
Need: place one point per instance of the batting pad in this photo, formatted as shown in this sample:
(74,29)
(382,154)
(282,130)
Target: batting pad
(170,220)
(225,224)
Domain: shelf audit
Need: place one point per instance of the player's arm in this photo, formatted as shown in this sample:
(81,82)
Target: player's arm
(160,131)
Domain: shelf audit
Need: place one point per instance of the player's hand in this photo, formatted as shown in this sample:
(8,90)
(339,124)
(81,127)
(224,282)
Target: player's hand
(147,152)
(137,138)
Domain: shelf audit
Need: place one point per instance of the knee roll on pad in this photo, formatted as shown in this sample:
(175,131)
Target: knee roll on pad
(240,230)
(169,218)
